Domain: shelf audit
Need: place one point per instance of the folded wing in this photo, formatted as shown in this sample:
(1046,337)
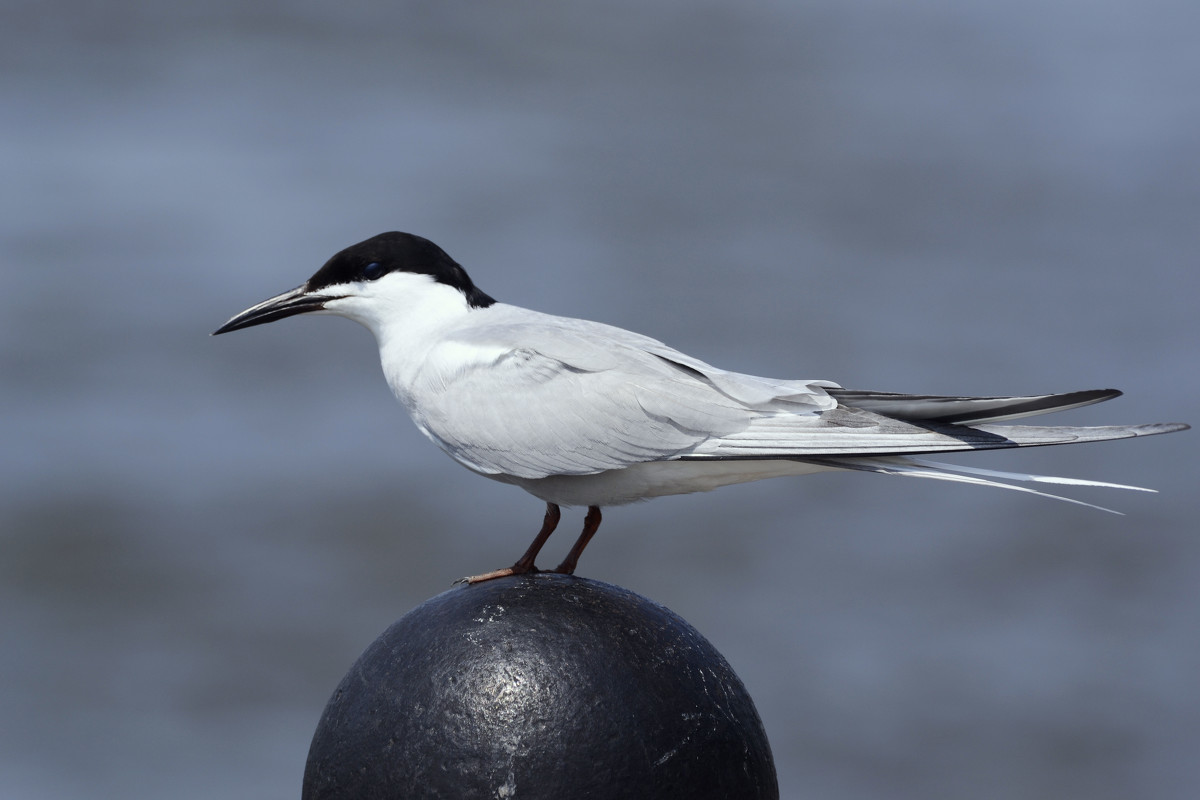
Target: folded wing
(538,398)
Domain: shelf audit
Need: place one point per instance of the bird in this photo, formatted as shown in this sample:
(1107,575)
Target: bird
(581,413)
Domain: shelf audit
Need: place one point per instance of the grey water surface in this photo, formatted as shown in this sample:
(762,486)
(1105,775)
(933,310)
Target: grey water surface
(198,536)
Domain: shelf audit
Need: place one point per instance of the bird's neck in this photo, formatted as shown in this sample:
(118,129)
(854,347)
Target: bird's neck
(408,338)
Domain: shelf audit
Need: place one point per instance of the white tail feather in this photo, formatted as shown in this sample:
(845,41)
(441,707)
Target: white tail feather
(919,468)
(1022,476)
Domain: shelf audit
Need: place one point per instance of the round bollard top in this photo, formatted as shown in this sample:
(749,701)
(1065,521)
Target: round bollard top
(540,686)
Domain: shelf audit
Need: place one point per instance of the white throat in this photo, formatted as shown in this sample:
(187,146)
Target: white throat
(410,315)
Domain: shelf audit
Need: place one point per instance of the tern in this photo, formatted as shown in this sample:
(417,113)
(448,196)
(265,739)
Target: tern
(580,413)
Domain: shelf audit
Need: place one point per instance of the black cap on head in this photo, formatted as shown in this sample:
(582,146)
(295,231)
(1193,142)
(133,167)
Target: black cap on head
(397,252)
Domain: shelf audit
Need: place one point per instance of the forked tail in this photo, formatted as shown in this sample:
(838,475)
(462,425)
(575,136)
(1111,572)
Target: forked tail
(975,413)
(920,468)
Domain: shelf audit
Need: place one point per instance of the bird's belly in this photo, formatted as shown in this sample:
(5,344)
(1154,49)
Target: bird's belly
(653,479)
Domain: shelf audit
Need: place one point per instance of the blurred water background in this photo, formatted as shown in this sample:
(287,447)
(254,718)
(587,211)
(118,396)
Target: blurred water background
(198,536)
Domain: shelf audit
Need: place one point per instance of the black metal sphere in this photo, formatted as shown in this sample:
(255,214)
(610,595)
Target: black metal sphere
(540,686)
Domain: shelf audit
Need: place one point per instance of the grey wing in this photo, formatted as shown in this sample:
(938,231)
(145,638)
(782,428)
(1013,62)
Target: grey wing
(967,410)
(544,395)
(547,395)
(526,413)
(886,424)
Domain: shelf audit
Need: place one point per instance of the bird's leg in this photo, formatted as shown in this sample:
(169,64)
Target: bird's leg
(525,563)
(549,523)
(590,525)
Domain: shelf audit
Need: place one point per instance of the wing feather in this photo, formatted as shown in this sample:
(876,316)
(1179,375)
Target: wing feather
(534,398)
(967,410)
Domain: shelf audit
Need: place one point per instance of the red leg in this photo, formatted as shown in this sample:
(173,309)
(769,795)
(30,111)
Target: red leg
(591,523)
(525,563)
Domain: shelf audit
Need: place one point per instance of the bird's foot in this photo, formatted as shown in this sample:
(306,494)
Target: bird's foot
(515,569)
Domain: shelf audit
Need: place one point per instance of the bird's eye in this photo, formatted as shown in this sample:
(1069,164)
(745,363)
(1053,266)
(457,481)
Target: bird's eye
(372,271)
